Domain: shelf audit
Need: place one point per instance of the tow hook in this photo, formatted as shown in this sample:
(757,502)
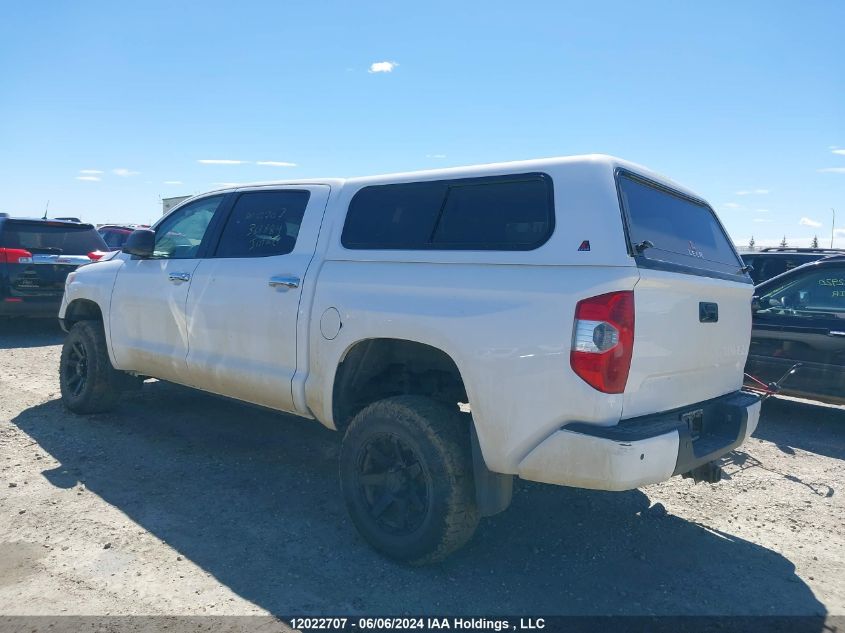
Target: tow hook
(709,472)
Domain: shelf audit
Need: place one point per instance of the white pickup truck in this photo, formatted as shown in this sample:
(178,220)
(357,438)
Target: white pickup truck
(577,321)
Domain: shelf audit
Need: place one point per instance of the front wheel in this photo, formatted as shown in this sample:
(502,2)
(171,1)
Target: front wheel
(406,476)
(89,383)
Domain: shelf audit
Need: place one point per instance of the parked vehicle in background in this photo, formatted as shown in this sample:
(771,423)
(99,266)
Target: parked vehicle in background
(771,262)
(593,315)
(799,317)
(36,256)
(115,235)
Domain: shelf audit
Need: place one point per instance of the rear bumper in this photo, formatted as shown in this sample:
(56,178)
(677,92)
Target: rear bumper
(643,450)
(31,307)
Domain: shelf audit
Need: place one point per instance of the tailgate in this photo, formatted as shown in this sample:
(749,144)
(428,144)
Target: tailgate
(44,276)
(681,354)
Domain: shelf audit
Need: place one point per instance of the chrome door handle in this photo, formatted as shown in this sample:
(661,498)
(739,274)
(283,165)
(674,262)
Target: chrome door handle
(836,333)
(283,281)
(179,277)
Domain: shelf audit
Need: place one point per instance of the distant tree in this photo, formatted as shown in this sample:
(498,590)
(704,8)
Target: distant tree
(751,243)
(815,242)
(783,243)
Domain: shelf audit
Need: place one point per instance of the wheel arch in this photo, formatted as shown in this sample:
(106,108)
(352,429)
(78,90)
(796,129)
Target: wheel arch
(82,310)
(374,368)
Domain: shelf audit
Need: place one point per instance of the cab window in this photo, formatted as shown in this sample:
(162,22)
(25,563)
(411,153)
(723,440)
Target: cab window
(180,234)
(263,223)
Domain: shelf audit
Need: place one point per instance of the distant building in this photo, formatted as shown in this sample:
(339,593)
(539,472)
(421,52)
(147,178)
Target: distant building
(168,203)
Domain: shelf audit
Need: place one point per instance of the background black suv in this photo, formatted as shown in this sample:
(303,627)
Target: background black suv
(771,262)
(35,259)
(800,317)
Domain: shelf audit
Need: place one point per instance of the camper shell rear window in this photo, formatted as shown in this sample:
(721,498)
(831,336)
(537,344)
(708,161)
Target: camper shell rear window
(672,231)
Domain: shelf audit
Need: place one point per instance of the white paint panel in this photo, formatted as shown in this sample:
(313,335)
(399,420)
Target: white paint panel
(584,461)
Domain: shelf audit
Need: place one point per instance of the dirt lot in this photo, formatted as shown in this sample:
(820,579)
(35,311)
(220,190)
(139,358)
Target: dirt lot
(181,503)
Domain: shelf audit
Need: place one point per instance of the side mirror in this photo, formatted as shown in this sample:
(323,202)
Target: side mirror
(755,303)
(140,243)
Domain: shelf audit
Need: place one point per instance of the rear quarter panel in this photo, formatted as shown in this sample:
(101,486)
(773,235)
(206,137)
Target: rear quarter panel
(508,329)
(505,318)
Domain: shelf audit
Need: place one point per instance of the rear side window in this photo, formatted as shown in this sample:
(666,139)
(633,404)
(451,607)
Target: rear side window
(496,213)
(263,223)
(115,238)
(52,239)
(766,267)
(670,229)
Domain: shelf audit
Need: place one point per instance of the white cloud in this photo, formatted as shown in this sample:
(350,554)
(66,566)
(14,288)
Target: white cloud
(839,232)
(435,155)
(226,184)
(752,192)
(275,163)
(808,222)
(88,178)
(833,170)
(732,205)
(172,182)
(382,67)
(221,161)
(761,210)
(123,172)
(841,152)
(90,171)
(762,220)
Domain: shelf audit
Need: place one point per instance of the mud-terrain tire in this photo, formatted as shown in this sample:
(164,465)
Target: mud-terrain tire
(89,383)
(406,476)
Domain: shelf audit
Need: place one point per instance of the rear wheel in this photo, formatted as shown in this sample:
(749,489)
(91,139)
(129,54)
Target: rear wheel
(89,383)
(406,475)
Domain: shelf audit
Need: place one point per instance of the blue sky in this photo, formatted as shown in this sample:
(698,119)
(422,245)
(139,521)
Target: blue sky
(107,106)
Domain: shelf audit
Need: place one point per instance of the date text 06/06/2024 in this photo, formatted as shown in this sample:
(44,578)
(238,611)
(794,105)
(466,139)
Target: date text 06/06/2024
(412,623)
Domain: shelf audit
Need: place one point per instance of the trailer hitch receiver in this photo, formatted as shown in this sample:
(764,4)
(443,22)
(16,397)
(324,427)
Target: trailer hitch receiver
(710,473)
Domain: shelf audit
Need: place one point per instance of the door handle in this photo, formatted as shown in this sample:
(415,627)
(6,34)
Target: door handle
(283,281)
(174,277)
(836,333)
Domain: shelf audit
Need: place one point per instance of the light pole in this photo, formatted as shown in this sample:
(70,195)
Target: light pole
(832,224)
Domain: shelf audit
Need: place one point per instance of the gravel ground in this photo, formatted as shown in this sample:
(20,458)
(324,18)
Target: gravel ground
(182,503)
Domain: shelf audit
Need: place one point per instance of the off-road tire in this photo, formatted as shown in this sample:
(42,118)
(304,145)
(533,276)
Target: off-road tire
(102,384)
(439,440)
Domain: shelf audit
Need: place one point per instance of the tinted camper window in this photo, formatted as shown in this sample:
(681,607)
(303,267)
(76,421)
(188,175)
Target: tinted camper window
(495,213)
(681,231)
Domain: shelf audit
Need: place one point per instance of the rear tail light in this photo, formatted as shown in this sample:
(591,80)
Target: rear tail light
(603,340)
(95,255)
(15,256)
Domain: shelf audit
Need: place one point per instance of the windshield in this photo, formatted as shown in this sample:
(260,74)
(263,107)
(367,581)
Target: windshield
(667,227)
(37,237)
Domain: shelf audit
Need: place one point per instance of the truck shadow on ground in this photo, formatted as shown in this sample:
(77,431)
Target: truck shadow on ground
(791,424)
(252,497)
(18,333)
